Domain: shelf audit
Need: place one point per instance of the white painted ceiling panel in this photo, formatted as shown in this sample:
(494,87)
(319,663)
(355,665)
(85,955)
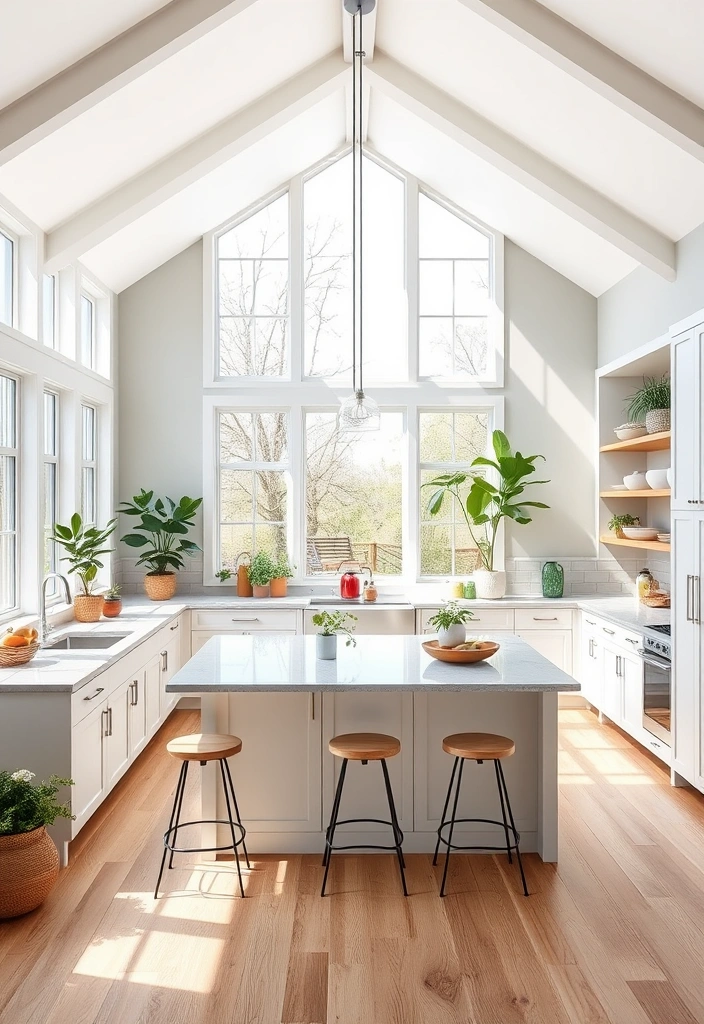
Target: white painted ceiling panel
(475,186)
(547,109)
(40,38)
(169,106)
(157,237)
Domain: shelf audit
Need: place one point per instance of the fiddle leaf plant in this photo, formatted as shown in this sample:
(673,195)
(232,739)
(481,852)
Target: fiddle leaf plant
(162,529)
(486,504)
(84,548)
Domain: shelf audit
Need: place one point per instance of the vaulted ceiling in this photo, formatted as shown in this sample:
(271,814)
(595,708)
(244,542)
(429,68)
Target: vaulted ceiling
(129,130)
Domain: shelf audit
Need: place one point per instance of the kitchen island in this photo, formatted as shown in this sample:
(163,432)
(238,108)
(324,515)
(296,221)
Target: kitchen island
(285,704)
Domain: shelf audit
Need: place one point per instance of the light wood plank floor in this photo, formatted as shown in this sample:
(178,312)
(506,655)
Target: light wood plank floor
(614,934)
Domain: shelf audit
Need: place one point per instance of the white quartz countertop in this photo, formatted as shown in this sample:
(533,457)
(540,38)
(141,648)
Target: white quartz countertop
(626,612)
(250,664)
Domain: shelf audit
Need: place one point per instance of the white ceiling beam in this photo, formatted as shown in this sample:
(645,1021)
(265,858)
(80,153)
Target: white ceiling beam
(182,168)
(368,37)
(584,58)
(525,165)
(121,60)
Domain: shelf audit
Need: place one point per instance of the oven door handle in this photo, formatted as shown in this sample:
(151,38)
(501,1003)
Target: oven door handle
(655,662)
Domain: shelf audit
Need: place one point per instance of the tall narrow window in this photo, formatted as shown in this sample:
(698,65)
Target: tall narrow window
(7,278)
(49,310)
(354,495)
(253,299)
(449,442)
(88,331)
(8,493)
(253,483)
(51,483)
(454,296)
(89,469)
(328,273)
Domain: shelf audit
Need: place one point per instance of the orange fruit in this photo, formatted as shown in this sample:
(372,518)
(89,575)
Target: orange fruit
(28,632)
(12,640)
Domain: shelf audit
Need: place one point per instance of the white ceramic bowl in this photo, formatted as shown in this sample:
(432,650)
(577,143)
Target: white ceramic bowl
(636,481)
(657,479)
(639,533)
(629,433)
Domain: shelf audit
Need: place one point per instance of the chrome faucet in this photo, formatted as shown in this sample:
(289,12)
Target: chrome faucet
(45,628)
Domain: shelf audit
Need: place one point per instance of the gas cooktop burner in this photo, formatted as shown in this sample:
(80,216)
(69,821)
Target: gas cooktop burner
(661,629)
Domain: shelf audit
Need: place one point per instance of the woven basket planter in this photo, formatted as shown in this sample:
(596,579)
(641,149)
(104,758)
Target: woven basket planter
(160,587)
(29,866)
(657,420)
(88,607)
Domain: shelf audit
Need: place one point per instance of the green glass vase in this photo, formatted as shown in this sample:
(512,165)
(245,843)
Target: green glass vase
(553,579)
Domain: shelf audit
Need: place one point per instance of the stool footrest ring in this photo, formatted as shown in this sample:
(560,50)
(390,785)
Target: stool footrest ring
(482,821)
(202,849)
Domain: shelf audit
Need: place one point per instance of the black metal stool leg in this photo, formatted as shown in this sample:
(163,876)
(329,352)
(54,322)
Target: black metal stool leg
(398,835)
(237,812)
(178,809)
(444,811)
(232,827)
(330,834)
(179,785)
(452,826)
(503,810)
(513,827)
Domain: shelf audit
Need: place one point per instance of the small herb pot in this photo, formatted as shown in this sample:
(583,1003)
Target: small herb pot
(326,647)
(453,636)
(112,606)
(262,591)
(279,586)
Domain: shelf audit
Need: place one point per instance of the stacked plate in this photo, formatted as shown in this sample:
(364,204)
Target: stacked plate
(664,538)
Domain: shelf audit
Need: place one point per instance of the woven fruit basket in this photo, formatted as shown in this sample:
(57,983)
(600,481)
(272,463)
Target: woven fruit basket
(13,653)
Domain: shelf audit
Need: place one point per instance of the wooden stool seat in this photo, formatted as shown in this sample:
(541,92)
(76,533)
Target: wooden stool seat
(478,746)
(364,746)
(204,746)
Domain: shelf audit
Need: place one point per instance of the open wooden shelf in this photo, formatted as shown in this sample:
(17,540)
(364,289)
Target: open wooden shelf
(649,492)
(646,545)
(647,443)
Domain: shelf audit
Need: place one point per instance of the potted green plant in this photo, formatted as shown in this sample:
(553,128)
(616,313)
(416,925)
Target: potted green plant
(29,861)
(330,626)
(112,602)
(449,623)
(283,571)
(83,548)
(616,523)
(162,529)
(260,572)
(486,504)
(651,403)
(224,575)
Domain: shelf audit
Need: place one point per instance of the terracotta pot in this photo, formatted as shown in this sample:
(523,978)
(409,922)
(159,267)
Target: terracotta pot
(279,586)
(262,591)
(29,866)
(160,586)
(112,607)
(87,607)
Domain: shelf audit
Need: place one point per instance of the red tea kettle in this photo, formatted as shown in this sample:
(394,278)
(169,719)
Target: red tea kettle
(350,585)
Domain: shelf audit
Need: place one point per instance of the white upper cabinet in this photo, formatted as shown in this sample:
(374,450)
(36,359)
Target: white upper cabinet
(688,420)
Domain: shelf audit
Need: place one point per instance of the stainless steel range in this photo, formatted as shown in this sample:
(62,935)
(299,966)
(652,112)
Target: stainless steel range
(657,691)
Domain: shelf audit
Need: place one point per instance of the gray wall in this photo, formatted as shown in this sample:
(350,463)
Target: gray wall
(643,306)
(551,353)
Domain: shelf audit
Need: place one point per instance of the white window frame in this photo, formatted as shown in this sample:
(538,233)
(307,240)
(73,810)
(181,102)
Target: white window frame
(54,460)
(15,452)
(93,346)
(14,238)
(52,341)
(90,463)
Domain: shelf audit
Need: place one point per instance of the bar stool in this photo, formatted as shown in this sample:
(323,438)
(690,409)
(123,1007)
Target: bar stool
(204,747)
(364,747)
(479,747)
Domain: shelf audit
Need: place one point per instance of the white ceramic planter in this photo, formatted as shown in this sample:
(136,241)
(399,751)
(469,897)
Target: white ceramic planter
(325,647)
(490,585)
(453,636)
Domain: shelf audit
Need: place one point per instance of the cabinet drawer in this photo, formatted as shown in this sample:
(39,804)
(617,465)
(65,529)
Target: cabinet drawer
(245,618)
(623,638)
(543,618)
(483,619)
(89,696)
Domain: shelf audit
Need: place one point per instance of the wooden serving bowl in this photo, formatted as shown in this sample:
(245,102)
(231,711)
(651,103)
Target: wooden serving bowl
(453,657)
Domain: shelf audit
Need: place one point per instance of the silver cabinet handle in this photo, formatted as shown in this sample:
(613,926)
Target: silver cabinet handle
(104,720)
(110,721)
(94,695)
(164,661)
(591,623)
(172,628)
(312,705)
(611,632)
(690,587)
(552,618)
(247,618)
(630,640)
(134,687)
(591,648)
(697,602)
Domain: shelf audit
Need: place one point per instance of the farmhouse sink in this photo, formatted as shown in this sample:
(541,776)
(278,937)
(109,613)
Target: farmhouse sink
(85,641)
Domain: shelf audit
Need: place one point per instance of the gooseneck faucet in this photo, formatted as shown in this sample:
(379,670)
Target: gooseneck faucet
(45,628)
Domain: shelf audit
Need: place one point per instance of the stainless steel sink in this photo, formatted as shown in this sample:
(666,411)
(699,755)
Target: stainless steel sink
(85,641)
(359,601)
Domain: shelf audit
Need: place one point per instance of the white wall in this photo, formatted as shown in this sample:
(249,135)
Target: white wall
(643,306)
(551,358)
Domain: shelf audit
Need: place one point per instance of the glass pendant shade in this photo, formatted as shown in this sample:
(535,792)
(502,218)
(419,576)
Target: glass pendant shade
(358,412)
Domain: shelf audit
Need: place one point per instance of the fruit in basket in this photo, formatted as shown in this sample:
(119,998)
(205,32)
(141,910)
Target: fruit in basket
(27,632)
(13,640)
(470,645)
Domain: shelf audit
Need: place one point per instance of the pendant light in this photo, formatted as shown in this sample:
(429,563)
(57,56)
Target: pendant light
(358,412)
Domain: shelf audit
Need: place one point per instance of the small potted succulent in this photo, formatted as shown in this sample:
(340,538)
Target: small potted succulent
(283,571)
(162,529)
(450,624)
(112,602)
(617,523)
(330,626)
(651,403)
(83,549)
(260,572)
(29,861)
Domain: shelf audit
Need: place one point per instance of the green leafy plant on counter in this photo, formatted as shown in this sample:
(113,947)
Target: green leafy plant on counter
(282,568)
(336,623)
(486,504)
(224,574)
(112,593)
(451,615)
(617,523)
(162,529)
(261,569)
(83,548)
(654,394)
(25,805)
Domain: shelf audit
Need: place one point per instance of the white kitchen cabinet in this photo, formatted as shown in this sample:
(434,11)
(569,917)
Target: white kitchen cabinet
(87,763)
(170,663)
(688,646)
(553,644)
(631,671)
(687,374)
(137,713)
(201,636)
(116,737)
(612,700)
(152,693)
(591,663)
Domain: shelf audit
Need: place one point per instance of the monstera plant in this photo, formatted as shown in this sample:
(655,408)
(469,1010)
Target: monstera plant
(161,537)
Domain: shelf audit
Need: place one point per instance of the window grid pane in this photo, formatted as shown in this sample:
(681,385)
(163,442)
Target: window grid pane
(89,473)
(50,496)
(7,278)
(49,310)
(8,493)
(88,332)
